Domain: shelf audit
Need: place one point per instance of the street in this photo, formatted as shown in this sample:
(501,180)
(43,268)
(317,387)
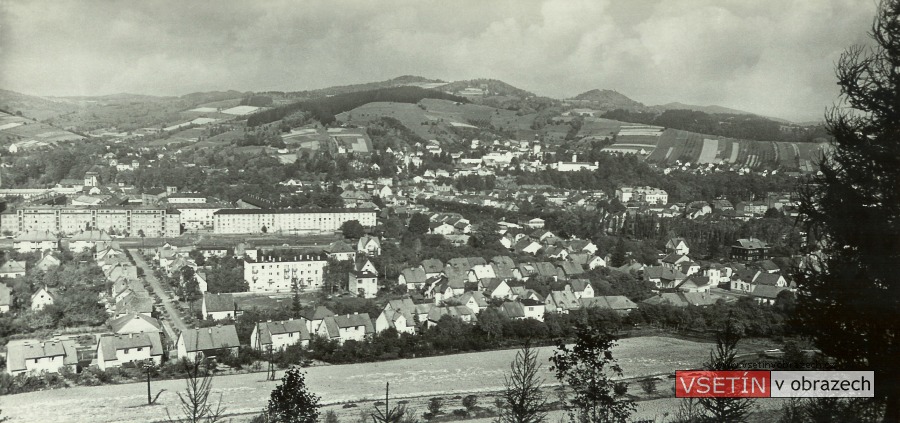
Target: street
(167,302)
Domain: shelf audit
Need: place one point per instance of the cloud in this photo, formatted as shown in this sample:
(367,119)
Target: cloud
(766,56)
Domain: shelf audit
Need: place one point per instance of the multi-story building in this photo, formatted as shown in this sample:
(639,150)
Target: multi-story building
(133,220)
(251,221)
(271,274)
(749,250)
(198,216)
(645,194)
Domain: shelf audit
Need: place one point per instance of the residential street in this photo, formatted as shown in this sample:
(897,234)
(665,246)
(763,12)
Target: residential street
(173,314)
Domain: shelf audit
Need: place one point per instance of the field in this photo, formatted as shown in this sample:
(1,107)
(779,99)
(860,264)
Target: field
(689,147)
(362,383)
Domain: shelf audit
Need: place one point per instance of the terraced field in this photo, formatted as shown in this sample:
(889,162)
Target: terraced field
(689,147)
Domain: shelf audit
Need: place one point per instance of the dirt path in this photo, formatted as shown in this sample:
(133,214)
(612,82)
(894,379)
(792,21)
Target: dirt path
(172,312)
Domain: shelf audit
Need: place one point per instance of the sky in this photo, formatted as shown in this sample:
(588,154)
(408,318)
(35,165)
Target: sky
(771,57)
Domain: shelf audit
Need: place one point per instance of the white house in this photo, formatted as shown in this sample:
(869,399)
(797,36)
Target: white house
(204,342)
(35,357)
(42,297)
(219,306)
(115,350)
(279,335)
(355,327)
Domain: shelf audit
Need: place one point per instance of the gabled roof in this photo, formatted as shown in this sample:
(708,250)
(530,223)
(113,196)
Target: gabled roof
(319,313)
(13,266)
(663,273)
(35,236)
(571,269)
(435,314)
(564,300)
(413,275)
(121,322)
(477,296)
(674,258)
(267,329)
(17,352)
(483,271)
(492,285)
(210,338)
(352,320)
(339,246)
(513,309)
(767,265)
(47,262)
(503,262)
(219,302)
(5,295)
(683,299)
(611,302)
(432,266)
(110,344)
(770,279)
(751,243)
(134,303)
(546,269)
(579,285)
(694,281)
(767,291)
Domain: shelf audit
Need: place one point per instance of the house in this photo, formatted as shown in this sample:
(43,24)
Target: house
(497,289)
(23,357)
(369,245)
(134,323)
(461,312)
(118,349)
(688,267)
(87,240)
(586,260)
(42,297)
(546,270)
(570,270)
(397,314)
(533,309)
(194,344)
(672,260)
(6,298)
(343,328)
(618,303)
(474,300)
(315,319)
(684,299)
(536,223)
(677,246)
(527,246)
(749,249)
(443,229)
(513,310)
(766,294)
(47,263)
(340,251)
(582,246)
(219,306)
(134,303)
(562,302)
(767,266)
(202,281)
(663,277)
(581,288)
(31,241)
(481,271)
(556,253)
(278,335)
(413,278)
(695,283)
(13,269)
(432,267)
(363,284)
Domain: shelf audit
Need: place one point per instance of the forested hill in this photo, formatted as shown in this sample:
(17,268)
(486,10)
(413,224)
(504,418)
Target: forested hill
(324,109)
(750,127)
(368,86)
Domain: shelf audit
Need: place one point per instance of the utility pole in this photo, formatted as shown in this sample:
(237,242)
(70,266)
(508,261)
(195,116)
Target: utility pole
(148,366)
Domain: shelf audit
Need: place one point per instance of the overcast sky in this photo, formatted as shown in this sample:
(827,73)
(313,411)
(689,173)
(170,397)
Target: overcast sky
(771,57)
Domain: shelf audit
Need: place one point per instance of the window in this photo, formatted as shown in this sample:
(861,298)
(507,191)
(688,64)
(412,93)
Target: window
(36,360)
(126,350)
(140,348)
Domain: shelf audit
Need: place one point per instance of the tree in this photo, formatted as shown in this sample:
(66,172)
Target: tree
(291,402)
(419,224)
(470,402)
(434,407)
(522,400)
(853,206)
(587,368)
(617,259)
(353,229)
(194,400)
(726,410)
(389,415)
(190,286)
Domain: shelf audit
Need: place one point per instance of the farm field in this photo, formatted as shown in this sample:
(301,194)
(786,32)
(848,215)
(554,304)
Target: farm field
(362,383)
(691,147)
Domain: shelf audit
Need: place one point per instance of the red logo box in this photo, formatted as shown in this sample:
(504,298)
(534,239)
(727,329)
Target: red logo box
(722,384)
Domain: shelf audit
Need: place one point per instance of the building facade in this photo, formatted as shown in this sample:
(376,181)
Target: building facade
(253,221)
(152,221)
(271,274)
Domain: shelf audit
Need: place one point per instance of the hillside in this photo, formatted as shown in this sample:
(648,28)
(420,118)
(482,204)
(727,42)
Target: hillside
(608,100)
(713,110)
(36,107)
(490,87)
(400,81)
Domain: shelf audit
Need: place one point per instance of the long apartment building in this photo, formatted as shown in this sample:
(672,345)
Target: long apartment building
(151,221)
(254,221)
(279,274)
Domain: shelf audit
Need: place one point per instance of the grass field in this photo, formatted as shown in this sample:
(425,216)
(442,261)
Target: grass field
(247,393)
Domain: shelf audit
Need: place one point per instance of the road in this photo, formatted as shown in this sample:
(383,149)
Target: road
(173,314)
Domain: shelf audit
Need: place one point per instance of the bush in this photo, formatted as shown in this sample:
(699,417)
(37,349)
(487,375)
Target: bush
(649,385)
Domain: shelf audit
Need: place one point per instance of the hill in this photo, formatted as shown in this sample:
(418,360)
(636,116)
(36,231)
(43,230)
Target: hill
(36,107)
(608,100)
(713,110)
(325,109)
(489,87)
(400,81)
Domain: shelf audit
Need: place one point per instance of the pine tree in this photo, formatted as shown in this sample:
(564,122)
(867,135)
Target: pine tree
(291,402)
(854,205)
(726,410)
(523,401)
